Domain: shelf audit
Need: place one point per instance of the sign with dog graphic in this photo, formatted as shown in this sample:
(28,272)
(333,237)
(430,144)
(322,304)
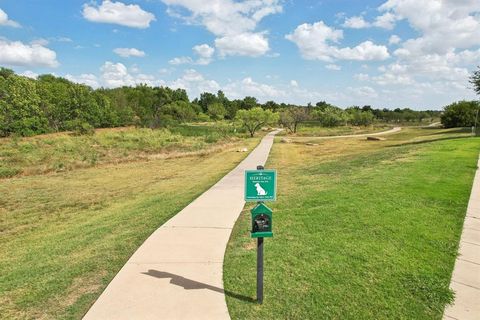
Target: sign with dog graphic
(260,185)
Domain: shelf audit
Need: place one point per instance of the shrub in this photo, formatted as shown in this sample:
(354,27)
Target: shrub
(80,127)
(460,114)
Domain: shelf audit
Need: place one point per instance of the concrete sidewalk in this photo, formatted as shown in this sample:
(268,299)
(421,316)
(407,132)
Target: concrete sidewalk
(466,275)
(177,272)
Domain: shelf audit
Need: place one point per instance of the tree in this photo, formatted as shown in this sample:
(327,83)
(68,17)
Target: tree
(460,114)
(248,103)
(206,99)
(20,110)
(360,118)
(322,105)
(330,116)
(271,105)
(216,111)
(255,118)
(178,111)
(291,117)
(475,80)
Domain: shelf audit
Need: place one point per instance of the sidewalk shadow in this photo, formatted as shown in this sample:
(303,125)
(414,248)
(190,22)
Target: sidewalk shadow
(189,284)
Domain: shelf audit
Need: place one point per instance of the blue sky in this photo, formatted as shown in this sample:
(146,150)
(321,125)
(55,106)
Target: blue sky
(388,53)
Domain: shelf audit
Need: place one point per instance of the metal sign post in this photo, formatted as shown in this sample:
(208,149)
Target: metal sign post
(260,186)
(260,263)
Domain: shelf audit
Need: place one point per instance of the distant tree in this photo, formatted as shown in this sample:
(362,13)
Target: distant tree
(180,95)
(460,114)
(249,103)
(216,111)
(255,118)
(231,107)
(475,80)
(181,111)
(206,99)
(330,116)
(367,108)
(321,105)
(360,118)
(271,105)
(293,116)
(5,73)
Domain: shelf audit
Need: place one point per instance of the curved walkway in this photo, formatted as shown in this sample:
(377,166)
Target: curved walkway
(177,272)
(393,130)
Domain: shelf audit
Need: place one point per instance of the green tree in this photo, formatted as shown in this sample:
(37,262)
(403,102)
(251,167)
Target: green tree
(181,111)
(56,100)
(475,80)
(248,103)
(206,99)
(20,110)
(255,118)
(460,114)
(291,117)
(216,111)
(357,117)
(330,116)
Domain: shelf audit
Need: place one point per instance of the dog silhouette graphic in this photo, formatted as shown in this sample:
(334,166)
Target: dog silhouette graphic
(260,190)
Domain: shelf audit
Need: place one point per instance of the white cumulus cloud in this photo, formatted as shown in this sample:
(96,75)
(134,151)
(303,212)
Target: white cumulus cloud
(117,75)
(394,39)
(118,13)
(229,21)
(316,42)
(204,52)
(333,67)
(244,44)
(85,78)
(180,60)
(248,87)
(5,21)
(129,52)
(385,21)
(29,74)
(16,53)
(356,22)
(195,83)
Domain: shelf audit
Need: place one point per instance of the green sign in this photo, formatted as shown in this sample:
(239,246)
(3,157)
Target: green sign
(260,185)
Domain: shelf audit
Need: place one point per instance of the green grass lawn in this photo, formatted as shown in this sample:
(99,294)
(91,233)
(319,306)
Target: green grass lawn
(65,235)
(362,230)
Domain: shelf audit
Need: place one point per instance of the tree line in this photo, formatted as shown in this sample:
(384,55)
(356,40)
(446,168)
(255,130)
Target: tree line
(52,104)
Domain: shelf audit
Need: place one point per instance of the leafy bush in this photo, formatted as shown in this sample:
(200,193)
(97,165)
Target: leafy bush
(80,128)
(331,116)
(360,118)
(460,114)
(216,111)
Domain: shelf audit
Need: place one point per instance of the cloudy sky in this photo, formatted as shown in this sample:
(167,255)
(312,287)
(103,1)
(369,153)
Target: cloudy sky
(394,53)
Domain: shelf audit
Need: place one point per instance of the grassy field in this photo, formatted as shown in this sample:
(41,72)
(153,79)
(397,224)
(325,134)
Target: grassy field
(64,235)
(64,151)
(362,229)
(313,129)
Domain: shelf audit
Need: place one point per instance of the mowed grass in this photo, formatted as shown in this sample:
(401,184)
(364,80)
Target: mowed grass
(65,151)
(362,230)
(315,130)
(65,235)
